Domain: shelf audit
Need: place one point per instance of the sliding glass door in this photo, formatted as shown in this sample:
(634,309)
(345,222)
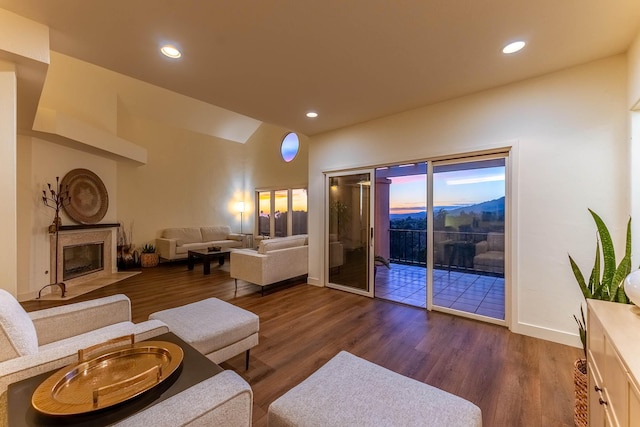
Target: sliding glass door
(469,236)
(349,236)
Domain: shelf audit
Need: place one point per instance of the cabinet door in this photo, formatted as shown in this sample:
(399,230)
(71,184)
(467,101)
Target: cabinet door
(616,386)
(596,346)
(634,406)
(596,410)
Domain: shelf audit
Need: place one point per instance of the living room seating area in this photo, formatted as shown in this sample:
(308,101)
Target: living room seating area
(438,349)
(174,243)
(224,398)
(49,339)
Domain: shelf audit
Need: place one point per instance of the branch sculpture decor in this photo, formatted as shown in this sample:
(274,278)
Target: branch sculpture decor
(56,199)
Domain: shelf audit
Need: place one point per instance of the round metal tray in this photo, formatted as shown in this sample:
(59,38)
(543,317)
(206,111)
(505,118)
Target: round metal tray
(89,199)
(107,379)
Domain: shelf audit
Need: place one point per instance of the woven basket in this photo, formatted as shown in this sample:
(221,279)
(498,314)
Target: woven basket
(149,259)
(580,409)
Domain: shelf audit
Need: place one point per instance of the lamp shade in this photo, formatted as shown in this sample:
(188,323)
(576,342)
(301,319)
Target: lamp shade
(632,287)
(240,207)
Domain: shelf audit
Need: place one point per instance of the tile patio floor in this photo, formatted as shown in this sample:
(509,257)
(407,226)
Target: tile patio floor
(473,293)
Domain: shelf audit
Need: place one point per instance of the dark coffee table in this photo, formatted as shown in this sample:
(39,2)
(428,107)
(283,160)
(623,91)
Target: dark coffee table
(206,256)
(195,368)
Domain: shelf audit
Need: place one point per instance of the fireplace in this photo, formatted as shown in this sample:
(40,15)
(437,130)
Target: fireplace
(84,255)
(85,258)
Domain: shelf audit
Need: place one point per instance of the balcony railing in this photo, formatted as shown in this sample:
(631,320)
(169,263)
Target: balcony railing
(453,250)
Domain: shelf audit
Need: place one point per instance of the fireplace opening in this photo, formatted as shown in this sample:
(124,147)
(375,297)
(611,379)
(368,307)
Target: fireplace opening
(79,260)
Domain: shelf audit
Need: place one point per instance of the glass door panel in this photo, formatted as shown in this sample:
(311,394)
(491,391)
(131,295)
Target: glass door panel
(401,233)
(349,233)
(469,236)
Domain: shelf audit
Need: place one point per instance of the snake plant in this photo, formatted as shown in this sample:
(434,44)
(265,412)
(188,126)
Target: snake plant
(606,278)
(608,285)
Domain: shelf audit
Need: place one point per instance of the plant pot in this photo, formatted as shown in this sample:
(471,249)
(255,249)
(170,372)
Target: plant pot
(580,409)
(149,259)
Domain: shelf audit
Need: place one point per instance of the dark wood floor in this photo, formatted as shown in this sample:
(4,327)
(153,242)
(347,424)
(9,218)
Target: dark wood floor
(514,379)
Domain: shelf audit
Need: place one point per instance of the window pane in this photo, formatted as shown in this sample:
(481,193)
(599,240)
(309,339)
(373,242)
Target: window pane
(264,199)
(289,147)
(280,214)
(299,209)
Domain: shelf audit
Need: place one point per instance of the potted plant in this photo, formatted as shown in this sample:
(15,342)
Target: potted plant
(149,257)
(603,285)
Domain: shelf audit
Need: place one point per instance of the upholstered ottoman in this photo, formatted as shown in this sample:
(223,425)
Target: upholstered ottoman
(350,391)
(217,329)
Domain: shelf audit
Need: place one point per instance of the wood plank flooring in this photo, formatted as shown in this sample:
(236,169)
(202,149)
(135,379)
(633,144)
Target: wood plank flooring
(514,379)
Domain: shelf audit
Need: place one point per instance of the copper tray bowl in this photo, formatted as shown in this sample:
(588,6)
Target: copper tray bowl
(108,378)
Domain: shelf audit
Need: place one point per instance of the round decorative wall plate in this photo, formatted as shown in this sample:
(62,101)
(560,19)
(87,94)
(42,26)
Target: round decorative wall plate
(89,198)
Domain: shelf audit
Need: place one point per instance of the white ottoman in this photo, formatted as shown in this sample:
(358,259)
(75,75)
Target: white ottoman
(350,391)
(215,328)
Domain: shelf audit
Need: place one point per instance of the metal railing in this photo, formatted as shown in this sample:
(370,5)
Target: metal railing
(453,250)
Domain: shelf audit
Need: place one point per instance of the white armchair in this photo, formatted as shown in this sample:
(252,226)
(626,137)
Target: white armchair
(489,255)
(44,340)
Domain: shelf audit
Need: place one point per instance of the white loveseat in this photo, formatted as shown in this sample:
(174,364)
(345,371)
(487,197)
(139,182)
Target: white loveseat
(174,243)
(275,260)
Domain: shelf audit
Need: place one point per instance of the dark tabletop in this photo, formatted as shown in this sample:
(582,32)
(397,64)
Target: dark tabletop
(195,368)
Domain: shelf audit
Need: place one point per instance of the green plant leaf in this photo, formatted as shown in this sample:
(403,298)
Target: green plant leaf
(582,329)
(594,279)
(608,254)
(623,270)
(580,279)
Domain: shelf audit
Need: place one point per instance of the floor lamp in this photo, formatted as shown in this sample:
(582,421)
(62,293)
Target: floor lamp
(240,208)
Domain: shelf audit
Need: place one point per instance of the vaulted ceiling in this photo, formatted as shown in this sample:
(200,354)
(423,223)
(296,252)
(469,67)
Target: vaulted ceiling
(351,61)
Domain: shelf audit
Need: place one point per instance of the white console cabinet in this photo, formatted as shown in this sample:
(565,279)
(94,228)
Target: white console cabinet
(613,355)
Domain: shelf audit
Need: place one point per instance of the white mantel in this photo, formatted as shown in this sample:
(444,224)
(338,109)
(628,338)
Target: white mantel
(108,235)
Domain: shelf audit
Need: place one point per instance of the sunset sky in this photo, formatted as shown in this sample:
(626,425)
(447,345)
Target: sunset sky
(456,188)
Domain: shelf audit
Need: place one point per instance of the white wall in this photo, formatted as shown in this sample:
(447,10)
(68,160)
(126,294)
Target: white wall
(634,104)
(192,179)
(570,131)
(8,168)
(26,43)
(40,162)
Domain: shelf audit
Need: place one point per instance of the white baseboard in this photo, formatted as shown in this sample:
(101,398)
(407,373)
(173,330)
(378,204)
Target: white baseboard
(560,337)
(314,281)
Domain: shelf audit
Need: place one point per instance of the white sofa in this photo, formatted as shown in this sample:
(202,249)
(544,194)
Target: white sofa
(275,260)
(174,243)
(41,341)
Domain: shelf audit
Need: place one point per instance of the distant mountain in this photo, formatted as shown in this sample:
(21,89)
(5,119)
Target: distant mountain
(416,215)
(496,205)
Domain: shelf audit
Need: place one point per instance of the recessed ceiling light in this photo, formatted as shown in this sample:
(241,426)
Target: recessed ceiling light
(170,51)
(513,47)
(312,114)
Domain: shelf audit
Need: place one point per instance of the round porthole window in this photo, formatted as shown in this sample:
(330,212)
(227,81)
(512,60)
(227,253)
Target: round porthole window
(289,147)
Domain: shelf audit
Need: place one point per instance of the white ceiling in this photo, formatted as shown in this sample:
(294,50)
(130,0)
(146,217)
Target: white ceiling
(351,60)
